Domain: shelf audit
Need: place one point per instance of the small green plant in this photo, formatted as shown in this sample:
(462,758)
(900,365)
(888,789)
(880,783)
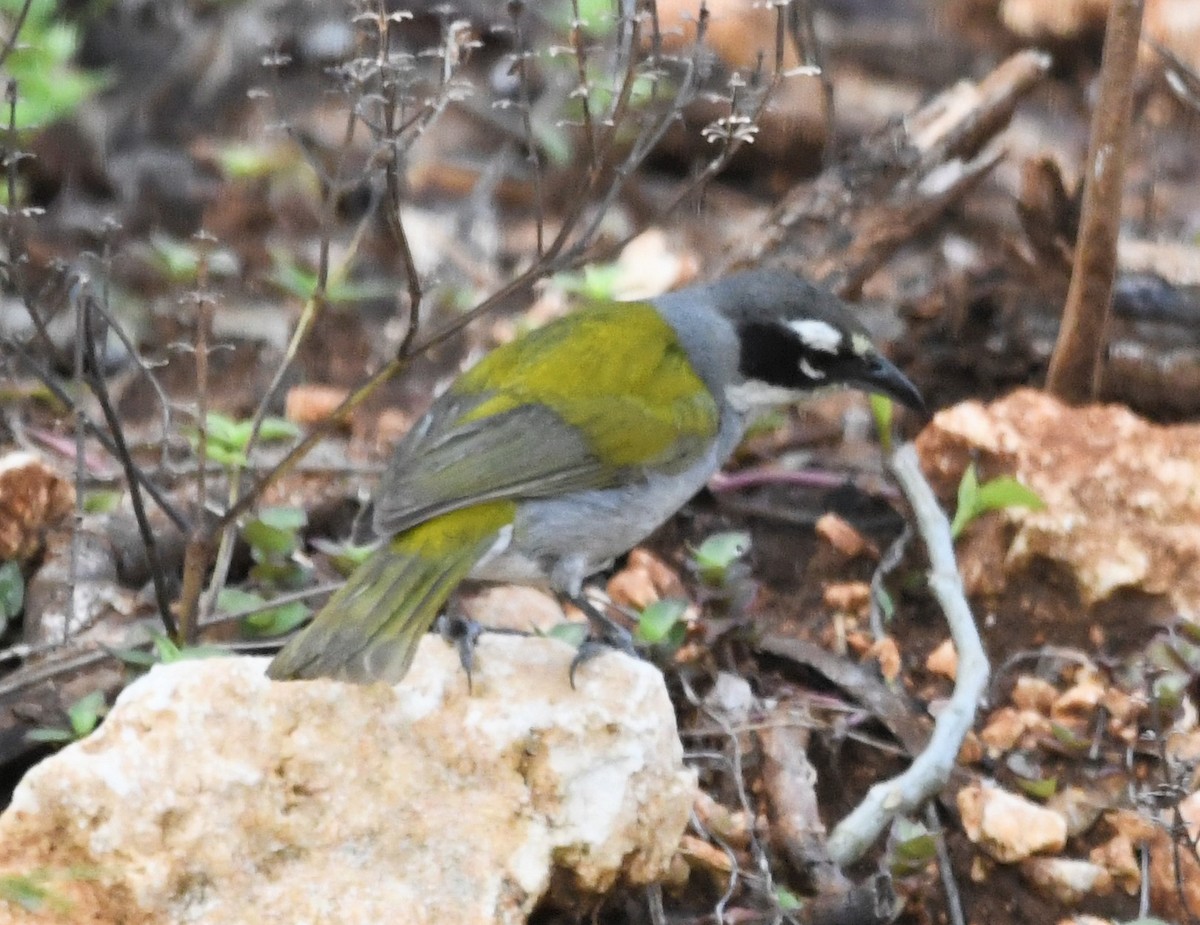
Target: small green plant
(267,619)
(718,557)
(787,900)
(662,624)
(83,716)
(49,86)
(229,440)
(274,538)
(344,557)
(302,283)
(910,848)
(594,281)
(165,652)
(1002,492)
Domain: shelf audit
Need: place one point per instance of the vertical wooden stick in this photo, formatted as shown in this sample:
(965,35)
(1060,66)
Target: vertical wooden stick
(1075,366)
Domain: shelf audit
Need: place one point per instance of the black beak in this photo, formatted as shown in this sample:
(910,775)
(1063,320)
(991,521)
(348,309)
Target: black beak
(883,376)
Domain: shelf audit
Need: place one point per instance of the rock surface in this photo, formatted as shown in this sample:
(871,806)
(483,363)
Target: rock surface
(1122,502)
(212,795)
(1007,826)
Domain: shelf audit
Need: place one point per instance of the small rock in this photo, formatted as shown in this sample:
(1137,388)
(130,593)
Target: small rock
(1119,858)
(1067,879)
(33,497)
(212,795)
(943,660)
(1008,827)
(842,536)
(1030,693)
(312,403)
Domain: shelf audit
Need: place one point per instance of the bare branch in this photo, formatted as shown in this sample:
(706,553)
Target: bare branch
(931,769)
(1075,366)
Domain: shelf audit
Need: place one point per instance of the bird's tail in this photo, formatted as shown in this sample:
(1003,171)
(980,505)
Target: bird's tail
(369,630)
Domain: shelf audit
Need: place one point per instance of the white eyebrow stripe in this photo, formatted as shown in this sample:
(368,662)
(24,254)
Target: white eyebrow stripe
(817,335)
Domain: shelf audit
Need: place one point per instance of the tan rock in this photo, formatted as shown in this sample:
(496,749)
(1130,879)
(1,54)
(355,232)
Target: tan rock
(1122,500)
(1081,808)
(1030,693)
(851,597)
(1067,880)
(1007,726)
(943,660)
(1119,858)
(886,652)
(211,795)
(842,536)
(33,497)
(1008,827)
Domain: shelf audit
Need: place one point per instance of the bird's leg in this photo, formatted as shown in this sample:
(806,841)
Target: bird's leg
(457,628)
(606,634)
(463,632)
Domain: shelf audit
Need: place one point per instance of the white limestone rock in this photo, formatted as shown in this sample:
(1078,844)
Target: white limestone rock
(212,795)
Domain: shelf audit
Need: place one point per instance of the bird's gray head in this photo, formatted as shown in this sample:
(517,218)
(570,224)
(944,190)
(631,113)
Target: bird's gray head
(796,338)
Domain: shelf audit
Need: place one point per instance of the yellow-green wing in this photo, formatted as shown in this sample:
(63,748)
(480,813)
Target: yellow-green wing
(588,401)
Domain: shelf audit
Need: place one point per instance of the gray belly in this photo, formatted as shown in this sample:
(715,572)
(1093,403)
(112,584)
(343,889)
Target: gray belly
(561,541)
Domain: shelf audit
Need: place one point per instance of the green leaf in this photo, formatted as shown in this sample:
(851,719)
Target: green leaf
(50,734)
(1001,492)
(291,277)
(275,531)
(787,900)
(273,430)
(968,488)
(345,557)
(1040,789)
(573,634)
(179,261)
(169,653)
(84,714)
(717,553)
(1005,491)
(12,591)
(656,622)
(225,431)
(883,411)
(235,600)
(101,502)
(596,281)
(275,621)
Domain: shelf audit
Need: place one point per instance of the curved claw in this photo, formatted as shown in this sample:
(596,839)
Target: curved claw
(607,635)
(463,632)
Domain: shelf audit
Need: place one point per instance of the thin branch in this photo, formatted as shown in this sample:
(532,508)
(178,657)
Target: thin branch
(11,42)
(1076,363)
(931,769)
(94,378)
(47,379)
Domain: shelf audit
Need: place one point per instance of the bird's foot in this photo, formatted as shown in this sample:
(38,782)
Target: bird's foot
(606,636)
(463,632)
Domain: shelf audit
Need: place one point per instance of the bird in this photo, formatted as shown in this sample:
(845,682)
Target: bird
(562,449)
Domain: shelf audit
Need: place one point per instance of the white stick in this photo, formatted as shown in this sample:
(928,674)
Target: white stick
(930,770)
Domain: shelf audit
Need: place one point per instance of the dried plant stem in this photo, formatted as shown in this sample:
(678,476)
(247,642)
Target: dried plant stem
(1075,366)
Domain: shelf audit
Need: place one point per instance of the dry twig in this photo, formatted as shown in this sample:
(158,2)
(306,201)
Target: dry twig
(1074,374)
(931,769)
